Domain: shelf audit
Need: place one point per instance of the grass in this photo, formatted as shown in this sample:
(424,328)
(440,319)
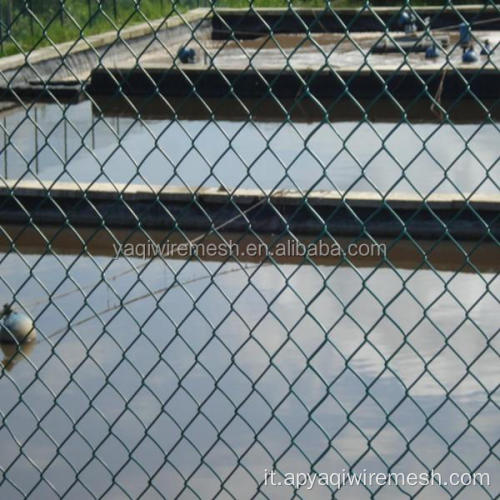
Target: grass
(49,24)
(46,23)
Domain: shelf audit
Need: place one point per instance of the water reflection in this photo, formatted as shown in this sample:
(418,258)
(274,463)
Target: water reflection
(229,373)
(348,155)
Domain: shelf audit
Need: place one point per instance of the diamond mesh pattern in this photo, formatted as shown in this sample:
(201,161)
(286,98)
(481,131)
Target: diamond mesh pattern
(188,378)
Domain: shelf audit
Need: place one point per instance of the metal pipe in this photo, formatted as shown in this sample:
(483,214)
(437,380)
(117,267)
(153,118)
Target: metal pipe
(5,146)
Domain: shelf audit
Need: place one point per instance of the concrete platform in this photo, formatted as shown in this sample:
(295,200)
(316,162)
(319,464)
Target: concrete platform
(407,44)
(351,214)
(60,71)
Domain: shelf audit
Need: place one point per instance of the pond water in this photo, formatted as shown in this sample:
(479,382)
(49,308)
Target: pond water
(69,143)
(221,368)
(190,378)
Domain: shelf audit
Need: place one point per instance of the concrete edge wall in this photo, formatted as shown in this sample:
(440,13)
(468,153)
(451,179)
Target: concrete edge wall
(104,190)
(365,83)
(92,205)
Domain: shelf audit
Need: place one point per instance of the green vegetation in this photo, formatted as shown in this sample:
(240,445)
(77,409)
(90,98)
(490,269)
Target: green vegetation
(30,24)
(26,25)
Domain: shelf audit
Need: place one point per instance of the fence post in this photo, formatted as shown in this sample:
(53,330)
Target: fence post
(5,148)
(90,11)
(30,14)
(9,14)
(61,12)
(1,28)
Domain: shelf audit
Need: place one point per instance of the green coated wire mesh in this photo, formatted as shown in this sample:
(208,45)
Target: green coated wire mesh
(164,373)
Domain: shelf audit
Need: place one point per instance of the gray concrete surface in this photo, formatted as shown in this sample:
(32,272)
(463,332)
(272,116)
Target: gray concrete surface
(117,205)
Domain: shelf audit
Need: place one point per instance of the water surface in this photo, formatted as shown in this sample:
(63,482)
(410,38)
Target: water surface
(69,143)
(223,370)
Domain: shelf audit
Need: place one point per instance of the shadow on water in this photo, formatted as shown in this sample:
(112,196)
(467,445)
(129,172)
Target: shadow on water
(421,109)
(443,255)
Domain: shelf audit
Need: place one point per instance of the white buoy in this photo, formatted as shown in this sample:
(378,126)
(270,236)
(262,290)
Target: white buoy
(16,327)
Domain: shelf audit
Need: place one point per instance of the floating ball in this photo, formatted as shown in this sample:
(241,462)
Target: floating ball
(186,55)
(16,327)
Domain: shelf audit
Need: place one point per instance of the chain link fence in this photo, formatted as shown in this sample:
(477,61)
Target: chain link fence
(259,248)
